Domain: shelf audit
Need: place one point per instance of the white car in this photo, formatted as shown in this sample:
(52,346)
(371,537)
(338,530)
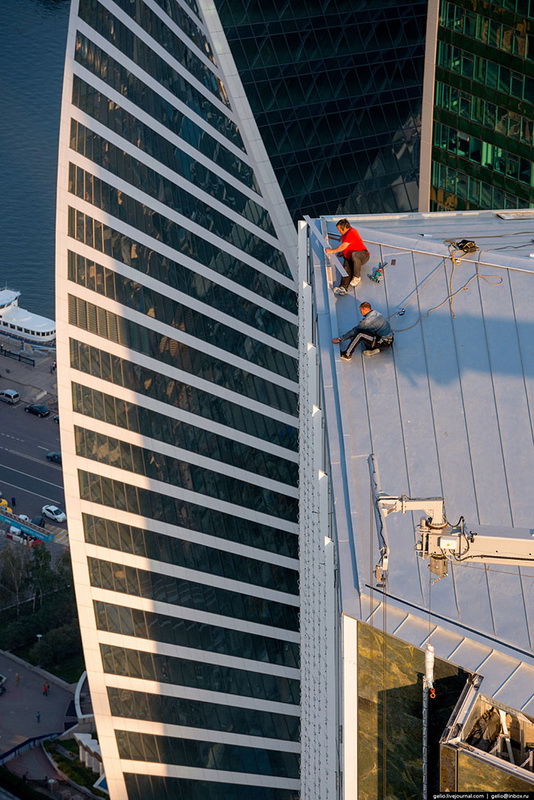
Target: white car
(53,512)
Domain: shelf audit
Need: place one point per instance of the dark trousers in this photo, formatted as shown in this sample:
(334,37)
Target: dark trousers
(369,340)
(353,266)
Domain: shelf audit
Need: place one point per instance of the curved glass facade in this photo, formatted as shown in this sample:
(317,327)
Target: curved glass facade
(176,251)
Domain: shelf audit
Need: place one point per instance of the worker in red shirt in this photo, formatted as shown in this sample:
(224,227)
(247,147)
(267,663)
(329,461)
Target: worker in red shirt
(355,255)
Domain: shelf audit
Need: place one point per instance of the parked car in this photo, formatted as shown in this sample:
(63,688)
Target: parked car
(39,521)
(53,512)
(56,418)
(9,396)
(39,411)
(24,518)
(5,506)
(55,457)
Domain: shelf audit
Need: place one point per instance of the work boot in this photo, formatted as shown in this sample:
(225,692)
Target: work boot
(339,290)
(374,352)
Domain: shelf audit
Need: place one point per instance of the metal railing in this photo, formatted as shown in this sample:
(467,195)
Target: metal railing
(26,527)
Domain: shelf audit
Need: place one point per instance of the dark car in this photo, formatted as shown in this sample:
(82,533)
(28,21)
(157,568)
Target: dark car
(39,411)
(39,521)
(55,457)
(56,418)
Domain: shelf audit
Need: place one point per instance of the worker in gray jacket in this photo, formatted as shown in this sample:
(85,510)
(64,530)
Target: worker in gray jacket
(373,330)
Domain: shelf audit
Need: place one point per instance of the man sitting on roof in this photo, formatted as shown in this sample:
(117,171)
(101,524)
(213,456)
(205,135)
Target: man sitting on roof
(373,330)
(354,252)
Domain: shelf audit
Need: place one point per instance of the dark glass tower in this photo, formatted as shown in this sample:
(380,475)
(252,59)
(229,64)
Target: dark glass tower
(335,87)
(484,106)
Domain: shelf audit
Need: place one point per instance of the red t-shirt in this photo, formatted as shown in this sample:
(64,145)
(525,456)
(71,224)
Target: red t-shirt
(355,242)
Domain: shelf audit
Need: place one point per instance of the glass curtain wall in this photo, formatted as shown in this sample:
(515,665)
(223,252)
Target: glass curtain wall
(335,88)
(179,403)
(484,106)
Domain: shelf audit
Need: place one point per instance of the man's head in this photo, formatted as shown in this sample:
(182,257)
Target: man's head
(365,308)
(343,225)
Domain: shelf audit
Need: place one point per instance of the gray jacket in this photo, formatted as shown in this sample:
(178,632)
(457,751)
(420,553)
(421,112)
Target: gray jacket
(374,323)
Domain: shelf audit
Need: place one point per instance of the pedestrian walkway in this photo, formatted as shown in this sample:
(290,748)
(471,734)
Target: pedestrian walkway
(25,710)
(61,535)
(34,384)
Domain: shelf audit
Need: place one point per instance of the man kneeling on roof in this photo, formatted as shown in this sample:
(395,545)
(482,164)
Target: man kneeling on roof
(373,330)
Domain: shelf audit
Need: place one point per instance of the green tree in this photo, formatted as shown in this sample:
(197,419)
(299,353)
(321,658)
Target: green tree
(55,644)
(15,572)
(42,577)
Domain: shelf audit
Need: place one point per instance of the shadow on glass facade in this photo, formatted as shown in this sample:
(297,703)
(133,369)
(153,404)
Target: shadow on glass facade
(335,88)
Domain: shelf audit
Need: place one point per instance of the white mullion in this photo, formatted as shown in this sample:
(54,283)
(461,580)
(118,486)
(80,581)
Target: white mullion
(187,456)
(145,726)
(211,657)
(151,606)
(193,536)
(169,59)
(192,575)
(172,412)
(201,695)
(151,83)
(162,169)
(213,776)
(181,34)
(173,373)
(179,219)
(188,495)
(143,116)
(196,267)
(187,339)
(181,183)
(185,299)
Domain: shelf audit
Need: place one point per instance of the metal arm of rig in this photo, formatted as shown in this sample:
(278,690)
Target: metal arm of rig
(444,543)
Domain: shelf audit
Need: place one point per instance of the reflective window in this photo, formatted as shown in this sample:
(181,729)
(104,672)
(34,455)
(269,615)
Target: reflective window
(155,787)
(484,71)
(158,386)
(191,594)
(206,755)
(186,202)
(196,714)
(149,141)
(184,21)
(116,411)
(161,307)
(199,636)
(117,34)
(163,508)
(136,255)
(490,156)
(156,345)
(126,208)
(112,72)
(159,31)
(157,466)
(198,674)
(191,555)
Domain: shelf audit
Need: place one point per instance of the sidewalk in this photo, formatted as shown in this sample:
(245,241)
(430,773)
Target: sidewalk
(20,704)
(34,384)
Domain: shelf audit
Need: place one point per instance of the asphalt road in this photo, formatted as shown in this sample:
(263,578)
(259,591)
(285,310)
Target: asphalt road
(24,471)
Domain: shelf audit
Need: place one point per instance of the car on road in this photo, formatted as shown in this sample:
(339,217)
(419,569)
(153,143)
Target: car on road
(38,410)
(56,418)
(39,521)
(9,396)
(54,457)
(5,506)
(53,512)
